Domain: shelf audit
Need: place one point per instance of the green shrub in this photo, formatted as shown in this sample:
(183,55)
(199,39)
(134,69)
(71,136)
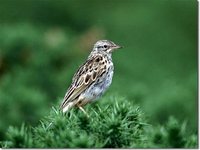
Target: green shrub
(120,124)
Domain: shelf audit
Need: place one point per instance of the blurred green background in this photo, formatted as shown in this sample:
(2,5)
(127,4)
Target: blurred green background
(42,43)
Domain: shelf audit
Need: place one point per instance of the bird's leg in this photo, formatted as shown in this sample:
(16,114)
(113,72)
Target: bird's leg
(81,108)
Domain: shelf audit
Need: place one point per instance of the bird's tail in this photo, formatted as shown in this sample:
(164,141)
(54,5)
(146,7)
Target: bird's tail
(66,107)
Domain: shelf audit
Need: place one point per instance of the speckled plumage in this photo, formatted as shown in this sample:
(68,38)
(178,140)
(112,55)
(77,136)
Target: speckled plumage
(92,78)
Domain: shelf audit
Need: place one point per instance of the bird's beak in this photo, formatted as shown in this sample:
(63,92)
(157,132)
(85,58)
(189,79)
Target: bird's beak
(114,47)
(117,47)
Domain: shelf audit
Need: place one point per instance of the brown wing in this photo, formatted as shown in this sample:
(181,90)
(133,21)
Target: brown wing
(87,74)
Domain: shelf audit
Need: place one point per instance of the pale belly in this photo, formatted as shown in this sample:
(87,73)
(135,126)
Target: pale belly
(98,89)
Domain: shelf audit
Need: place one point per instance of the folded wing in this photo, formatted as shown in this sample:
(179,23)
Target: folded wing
(86,75)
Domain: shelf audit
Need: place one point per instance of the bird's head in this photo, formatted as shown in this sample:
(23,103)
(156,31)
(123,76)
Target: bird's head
(105,45)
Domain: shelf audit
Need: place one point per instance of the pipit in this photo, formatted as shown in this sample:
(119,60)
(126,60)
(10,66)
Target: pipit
(92,78)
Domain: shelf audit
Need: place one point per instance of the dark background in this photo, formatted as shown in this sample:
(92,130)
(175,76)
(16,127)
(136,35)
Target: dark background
(42,43)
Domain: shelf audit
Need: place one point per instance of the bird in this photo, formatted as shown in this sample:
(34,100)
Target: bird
(92,78)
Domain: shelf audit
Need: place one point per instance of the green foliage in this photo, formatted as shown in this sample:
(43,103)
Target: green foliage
(121,125)
(20,138)
(109,127)
(173,135)
(24,95)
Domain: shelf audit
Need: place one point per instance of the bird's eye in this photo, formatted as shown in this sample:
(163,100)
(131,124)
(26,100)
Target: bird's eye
(105,46)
